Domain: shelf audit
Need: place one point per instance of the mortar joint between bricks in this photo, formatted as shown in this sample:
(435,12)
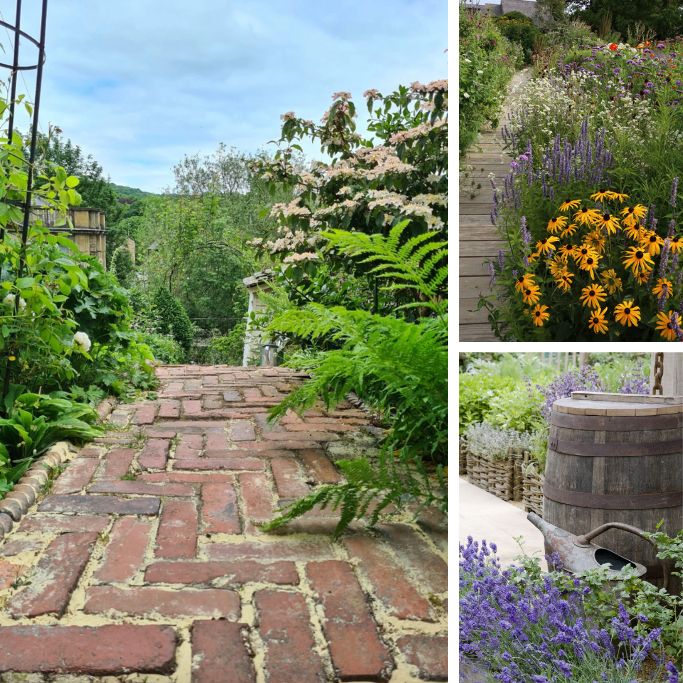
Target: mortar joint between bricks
(315,612)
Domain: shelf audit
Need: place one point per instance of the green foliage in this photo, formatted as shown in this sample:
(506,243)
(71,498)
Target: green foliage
(475,396)
(396,367)
(520,29)
(418,265)
(164,348)
(227,350)
(34,422)
(487,62)
(122,266)
(173,319)
(663,17)
(519,409)
(369,490)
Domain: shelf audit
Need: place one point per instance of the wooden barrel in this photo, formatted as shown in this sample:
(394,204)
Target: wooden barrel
(616,458)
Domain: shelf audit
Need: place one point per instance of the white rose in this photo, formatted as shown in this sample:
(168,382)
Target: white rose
(82,341)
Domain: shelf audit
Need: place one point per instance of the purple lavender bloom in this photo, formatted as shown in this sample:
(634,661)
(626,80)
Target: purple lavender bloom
(674,192)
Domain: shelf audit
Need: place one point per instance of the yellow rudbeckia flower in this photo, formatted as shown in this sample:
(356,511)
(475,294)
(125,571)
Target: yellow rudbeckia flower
(627,314)
(597,321)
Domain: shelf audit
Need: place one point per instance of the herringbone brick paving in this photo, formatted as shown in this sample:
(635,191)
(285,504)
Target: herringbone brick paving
(145,561)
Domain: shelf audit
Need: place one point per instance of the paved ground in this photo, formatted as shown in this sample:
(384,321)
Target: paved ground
(145,558)
(485,516)
(479,238)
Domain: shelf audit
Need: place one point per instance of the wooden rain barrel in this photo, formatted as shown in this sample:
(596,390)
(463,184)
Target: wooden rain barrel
(616,458)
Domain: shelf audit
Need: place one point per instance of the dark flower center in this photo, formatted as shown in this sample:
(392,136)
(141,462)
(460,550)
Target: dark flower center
(627,311)
(639,254)
(591,293)
(605,217)
(538,313)
(589,261)
(653,238)
(596,321)
(527,292)
(670,326)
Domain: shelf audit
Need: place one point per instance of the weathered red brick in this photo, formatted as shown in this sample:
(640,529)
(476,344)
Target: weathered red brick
(191,407)
(304,549)
(427,567)
(285,628)
(322,424)
(388,579)
(232,395)
(101,505)
(219,509)
(241,430)
(77,475)
(235,572)
(18,545)
(319,466)
(429,653)
(154,454)
(257,496)
(60,523)
(55,576)
(147,600)
(230,463)
(211,402)
(219,647)
(177,534)
(101,650)
(216,441)
(145,415)
(187,477)
(142,488)
(117,463)
(356,649)
(169,409)
(125,552)
(9,571)
(288,478)
(303,436)
(292,445)
(90,452)
(252,394)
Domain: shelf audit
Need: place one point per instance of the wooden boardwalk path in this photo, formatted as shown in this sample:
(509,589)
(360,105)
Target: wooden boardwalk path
(479,239)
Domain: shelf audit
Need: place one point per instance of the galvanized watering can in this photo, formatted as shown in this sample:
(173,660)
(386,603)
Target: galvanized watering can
(578,554)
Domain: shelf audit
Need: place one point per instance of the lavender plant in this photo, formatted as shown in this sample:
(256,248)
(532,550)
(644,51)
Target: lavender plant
(526,626)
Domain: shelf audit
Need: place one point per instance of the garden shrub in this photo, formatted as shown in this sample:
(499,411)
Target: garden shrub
(518,28)
(122,266)
(477,390)
(164,348)
(487,62)
(228,349)
(494,443)
(173,319)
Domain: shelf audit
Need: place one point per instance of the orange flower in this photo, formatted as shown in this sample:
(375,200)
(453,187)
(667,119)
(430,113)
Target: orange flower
(613,46)
(666,322)
(626,313)
(539,315)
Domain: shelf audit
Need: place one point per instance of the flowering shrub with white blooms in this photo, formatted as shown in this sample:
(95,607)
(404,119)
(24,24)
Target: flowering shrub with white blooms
(82,342)
(398,172)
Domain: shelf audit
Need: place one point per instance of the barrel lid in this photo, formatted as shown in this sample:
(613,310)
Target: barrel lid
(589,403)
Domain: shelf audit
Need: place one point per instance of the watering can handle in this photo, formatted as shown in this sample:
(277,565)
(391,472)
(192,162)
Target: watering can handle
(584,541)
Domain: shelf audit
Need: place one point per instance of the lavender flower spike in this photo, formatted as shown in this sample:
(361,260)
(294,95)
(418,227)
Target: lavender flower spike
(674,192)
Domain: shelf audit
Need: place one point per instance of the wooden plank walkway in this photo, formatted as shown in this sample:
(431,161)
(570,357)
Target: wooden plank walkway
(479,239)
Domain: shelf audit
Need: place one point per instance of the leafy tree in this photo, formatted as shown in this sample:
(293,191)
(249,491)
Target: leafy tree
(664,17)
(95,190)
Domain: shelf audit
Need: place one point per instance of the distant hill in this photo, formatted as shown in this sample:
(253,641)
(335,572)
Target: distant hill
(125,192)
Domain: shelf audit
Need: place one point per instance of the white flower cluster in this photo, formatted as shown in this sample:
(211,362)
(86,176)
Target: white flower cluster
(298,257)
(82,342)
(294,208)
(10,300)
(430,87)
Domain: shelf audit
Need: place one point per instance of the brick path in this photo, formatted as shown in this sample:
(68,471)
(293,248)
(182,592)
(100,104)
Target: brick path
(145,557)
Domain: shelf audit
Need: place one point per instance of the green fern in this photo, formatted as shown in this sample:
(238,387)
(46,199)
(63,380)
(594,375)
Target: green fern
(369,491)
(420,264)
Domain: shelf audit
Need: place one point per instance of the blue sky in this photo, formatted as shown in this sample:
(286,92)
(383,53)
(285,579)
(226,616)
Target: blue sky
(140,84)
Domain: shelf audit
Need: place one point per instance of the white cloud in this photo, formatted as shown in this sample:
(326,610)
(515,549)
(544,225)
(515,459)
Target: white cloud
(140,84)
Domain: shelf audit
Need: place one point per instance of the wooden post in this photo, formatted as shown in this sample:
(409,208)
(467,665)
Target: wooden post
(672,379)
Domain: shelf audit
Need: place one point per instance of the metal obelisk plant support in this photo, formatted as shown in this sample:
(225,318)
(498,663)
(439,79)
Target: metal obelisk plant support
(15,67)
